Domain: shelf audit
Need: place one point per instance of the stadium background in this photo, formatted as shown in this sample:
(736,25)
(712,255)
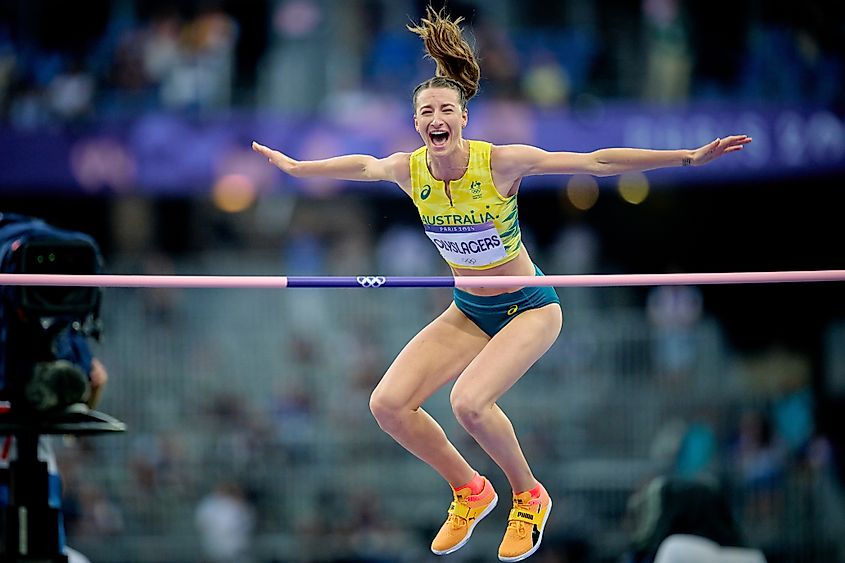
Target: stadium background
(132,120)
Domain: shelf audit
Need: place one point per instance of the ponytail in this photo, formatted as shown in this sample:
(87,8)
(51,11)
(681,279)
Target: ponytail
(457,67)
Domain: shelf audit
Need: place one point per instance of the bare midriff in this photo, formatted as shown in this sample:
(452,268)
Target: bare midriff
(519,266)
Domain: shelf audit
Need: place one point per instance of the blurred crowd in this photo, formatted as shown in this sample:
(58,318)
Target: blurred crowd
(243,407)
(113,59)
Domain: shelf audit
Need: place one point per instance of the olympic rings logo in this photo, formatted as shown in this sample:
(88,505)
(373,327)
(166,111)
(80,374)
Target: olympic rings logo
(371,281)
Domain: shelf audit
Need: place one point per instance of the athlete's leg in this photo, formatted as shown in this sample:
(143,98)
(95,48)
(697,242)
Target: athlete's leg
(494,370)
(434,357)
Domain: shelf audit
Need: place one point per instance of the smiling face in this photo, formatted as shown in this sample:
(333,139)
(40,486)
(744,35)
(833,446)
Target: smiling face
(439,119)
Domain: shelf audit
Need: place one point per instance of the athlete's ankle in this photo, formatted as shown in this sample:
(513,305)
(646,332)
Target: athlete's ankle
(476,485)
(535,492)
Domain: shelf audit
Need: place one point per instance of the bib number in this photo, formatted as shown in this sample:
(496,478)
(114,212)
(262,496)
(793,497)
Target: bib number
(467,245)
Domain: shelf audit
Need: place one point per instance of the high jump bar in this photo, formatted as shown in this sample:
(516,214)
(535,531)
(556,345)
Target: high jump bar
(271,282)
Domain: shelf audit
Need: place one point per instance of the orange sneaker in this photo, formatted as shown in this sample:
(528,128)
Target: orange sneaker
(465,512)
(525,526)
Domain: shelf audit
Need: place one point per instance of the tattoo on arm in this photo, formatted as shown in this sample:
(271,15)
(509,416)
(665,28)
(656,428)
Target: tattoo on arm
(686,161)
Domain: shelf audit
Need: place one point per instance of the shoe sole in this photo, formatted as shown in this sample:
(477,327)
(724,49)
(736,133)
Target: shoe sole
(463,542)
(531,551)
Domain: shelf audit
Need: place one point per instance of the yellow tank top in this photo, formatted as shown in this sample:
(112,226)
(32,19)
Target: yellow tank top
(477,228)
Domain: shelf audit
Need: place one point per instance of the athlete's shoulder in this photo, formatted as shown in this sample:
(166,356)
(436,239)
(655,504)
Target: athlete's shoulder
(512,159)
(510,151)
(399,157)
(398,167)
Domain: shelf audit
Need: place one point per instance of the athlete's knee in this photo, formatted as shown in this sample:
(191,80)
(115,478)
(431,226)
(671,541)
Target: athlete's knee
(468,410)
(387,411)
(380,406)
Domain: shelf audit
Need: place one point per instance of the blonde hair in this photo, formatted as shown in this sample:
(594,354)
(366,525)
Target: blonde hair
(457,67)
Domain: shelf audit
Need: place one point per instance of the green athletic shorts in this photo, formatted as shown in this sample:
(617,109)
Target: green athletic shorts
(492,313)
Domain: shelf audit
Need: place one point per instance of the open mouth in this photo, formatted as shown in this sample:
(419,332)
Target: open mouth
(439,138)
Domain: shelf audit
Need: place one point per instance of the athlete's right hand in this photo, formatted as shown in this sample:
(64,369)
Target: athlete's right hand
(276,158)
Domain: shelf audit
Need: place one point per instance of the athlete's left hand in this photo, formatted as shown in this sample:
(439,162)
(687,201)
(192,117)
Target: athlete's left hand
(717,148)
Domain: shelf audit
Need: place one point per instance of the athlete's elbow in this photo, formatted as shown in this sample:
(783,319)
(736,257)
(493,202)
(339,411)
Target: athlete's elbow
(369,169)
(598,165)
(366,173)
(602,168)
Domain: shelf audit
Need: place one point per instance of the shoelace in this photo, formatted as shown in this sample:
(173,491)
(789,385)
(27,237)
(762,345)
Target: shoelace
(456,521)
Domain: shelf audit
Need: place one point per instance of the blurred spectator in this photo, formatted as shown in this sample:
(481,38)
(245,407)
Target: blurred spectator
(239,435)
(225,522)
(202,74)
(687,448)
(401,251)
(817,465)
(698,450)
(8,61)
(28,110)
(760,460)
(350,252)
(161,50)
(775,372)
(154,462)
(75,557)
(372,538)
(674,520)
(793,418)
(674,312)
(101,515)
(161,303)
(667,57)
(577,251)
(293,414)
(71,93)
(304,253)
(688,548)
(494,44)
(118,58)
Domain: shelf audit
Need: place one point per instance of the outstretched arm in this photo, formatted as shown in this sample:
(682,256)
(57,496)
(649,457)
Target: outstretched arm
(524,160)
(358,167)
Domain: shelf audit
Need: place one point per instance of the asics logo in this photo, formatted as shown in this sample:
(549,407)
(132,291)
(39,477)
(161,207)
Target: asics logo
(513,310)
(425,192)
(370,281)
